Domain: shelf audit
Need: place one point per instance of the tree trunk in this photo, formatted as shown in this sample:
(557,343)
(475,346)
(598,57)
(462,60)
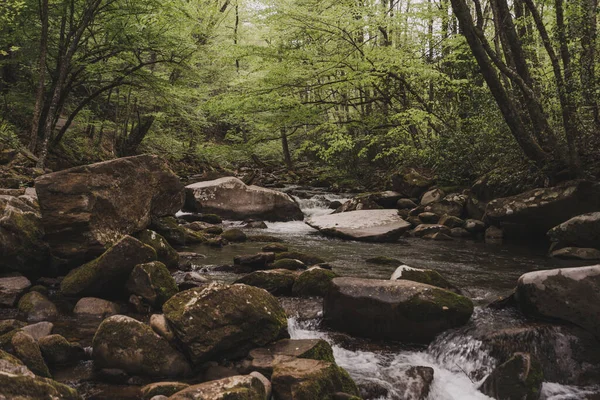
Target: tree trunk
(39,98)
(286,150)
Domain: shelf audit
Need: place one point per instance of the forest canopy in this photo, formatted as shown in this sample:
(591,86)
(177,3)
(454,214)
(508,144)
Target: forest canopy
(462,88)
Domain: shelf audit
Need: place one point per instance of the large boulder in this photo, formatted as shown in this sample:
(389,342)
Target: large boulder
(568,294)
(108,272)
(580,231)
(428,276)
(307,379)
(396,310)
(124,343)
(239,387)
(28,351)
(231,198)
(21,233)
(224,320)
(314,281)
(366,225)
(86,208)
(534,212)
(278,282)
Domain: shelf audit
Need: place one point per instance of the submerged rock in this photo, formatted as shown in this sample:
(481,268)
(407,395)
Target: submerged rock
(577,253)
(21,237)
(125,343)
(224,320)
(306,379)
(568,294)
(520,377)
(231,198)
(367,225)
(110,271)
(397,310)
(239,387)
(86,208)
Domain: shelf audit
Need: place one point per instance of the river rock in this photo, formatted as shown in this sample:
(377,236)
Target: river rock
(95,308)
(306,379)
(474,226)
(405,204)
(569,294)
(224,320)
(234,235)
(580,231)
(153,282)
(275,248)
(306,258)
(494,235)
(428,229)
(452,204)
(159,324)
(36,307)
(521,377)
(396,310)
(313,282)
(109,272)
(11,288)
(21,237)
(415,383)
(278,282)
(18,382)
(174,233)
(86,208)
(451,221)
(412,183)
(255,261)
(429,218)
(371,201)
(427,276)
(231,198)
(124,343)
(432,196)
(162,389)
(290,264)
(577,253)
(39,330)
(28,351)
(165,253)
(460,233)
(58,351)
(367,225)
(239,387)
(189,260)
(533,213)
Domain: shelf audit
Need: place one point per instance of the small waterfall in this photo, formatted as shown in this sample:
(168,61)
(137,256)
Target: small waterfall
(318,204)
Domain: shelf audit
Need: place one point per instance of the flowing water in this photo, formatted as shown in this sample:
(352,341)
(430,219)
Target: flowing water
(459,359)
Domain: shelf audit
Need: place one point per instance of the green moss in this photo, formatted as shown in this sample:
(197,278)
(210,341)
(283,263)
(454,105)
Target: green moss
(428,276)
(153,282)
(234,235)
(274,282)
(29,352)
(534,380)
(214,230)
(164,251)
(211,218)
(308,259)
(162,389)
(289,264)
(320,351)
(383,260)
(314,282)
(25,387)
(275,248)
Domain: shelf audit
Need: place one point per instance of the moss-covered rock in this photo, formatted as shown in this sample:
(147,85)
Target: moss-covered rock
(153,282)
(36,307)
(306,379)
(234,235)
(10,364)
(165,253)
(397,310)
(8,325)
(21,236)
(174,233)
(224,320)
(274,248)
(519,378)
(427,276)
(278,282)
(255,261)
(264,239)
(214,230)
(22,387)
(162,389)
(383,260)
(313,282)
(58,351)
(122,342)
(109,272)
(28,351)
(210,218)
(289,264)
(308,259)
(239,387)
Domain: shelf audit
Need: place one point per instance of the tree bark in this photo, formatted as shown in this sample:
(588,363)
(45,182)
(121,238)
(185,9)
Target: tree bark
(39,98)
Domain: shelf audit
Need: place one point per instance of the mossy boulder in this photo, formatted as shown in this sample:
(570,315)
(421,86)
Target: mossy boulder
(153,282)
(306,379)
(20,387)
(278,282)
(383,260)
(234,235)
(174,233)
(8,325)
(28,351)
(58,351)
(22,247)
(109,272)
(162,389)
(396,310)
(427,276)
(224,320)
(265,359)
(308,259)
(210,218)
(313,282)
(36,307)
(124,343)
(289,264)
(520,377)
(239,387)
(165,253)
(10,364)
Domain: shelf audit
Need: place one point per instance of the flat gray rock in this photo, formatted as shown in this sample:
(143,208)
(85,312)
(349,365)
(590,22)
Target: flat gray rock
(11,287)
(367,225)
